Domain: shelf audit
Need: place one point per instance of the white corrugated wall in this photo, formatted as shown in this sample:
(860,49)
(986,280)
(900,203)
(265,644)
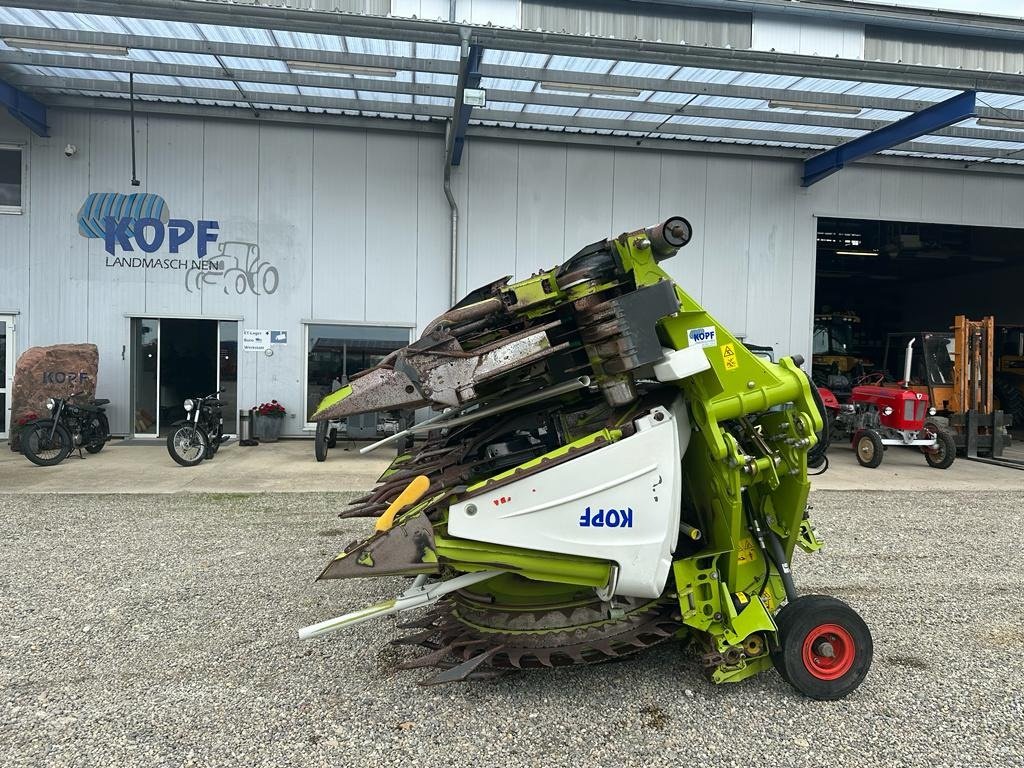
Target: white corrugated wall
(357,225)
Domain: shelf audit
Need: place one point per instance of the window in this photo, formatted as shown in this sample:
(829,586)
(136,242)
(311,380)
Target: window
(10,180)
(335,353)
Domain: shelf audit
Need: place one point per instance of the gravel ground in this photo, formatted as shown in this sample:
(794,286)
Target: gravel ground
(160,631)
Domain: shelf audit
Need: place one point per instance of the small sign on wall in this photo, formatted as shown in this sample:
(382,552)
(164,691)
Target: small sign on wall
(259,340)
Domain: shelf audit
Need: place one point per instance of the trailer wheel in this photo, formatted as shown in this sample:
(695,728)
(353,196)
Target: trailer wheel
(824,649)
(867,444)
(945,451)
(320,444)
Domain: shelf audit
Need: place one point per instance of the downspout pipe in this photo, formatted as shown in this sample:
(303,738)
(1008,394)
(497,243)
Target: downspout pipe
(449,150)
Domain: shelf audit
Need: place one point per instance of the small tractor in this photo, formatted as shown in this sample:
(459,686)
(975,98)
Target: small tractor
(607,468)
(833,362)
(878,416)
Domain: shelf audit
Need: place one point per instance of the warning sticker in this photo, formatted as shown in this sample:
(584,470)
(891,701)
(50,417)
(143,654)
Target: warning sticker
(729,357)
(745,550)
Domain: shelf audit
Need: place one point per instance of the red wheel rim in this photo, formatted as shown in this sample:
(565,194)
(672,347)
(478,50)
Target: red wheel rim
(828,651)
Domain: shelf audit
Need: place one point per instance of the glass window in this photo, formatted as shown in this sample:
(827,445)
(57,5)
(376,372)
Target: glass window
(820,341)
(335,353)
(10,180)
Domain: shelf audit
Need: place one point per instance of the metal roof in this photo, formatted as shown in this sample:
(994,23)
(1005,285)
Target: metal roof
(379,67)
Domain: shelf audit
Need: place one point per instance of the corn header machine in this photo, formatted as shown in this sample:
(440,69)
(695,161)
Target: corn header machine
(607,468)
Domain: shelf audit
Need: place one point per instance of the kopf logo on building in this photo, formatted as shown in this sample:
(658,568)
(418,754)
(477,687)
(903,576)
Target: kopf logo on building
(141,221)
(148,233)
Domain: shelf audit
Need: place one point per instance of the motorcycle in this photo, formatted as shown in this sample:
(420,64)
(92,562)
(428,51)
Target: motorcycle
(71,425)
(200,434)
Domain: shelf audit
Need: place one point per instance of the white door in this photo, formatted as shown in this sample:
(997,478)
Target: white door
(6,372)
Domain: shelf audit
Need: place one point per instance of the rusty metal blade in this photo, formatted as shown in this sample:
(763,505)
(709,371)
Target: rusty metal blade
(463,670)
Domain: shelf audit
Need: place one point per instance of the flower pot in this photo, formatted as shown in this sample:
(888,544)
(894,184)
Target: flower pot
(266,429)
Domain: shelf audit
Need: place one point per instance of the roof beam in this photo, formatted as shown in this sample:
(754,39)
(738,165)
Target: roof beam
(416,30)
(382,85)
(237,50)
(940,115)
(124,66)
(200,111)
(24,108)
(640,128)
(237,95)
(635,127)
(439,66)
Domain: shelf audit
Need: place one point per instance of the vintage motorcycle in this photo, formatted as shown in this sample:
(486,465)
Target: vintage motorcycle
(71,425)
(200,433)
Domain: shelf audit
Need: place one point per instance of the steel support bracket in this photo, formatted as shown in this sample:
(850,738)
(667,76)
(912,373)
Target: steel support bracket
(928,120)
(24,108)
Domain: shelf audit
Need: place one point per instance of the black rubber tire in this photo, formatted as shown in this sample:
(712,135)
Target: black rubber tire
(1010,398)
(332,438)
(184,461)
(61,436)
(104,427)
(947,451)
(320,444)
(798,622)
(867,444)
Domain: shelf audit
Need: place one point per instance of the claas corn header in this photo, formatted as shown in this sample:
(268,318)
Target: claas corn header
(607,468)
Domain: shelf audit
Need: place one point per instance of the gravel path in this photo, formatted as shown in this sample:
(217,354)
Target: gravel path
(160,631)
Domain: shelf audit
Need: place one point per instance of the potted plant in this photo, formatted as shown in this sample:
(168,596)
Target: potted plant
(267,419)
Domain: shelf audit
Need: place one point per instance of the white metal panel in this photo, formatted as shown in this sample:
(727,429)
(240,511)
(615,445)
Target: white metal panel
(860,189)
(636,196)
(588,196)
(983,200)
(540,208)
(230,196)
(770,266)
(799,34)
(112,290)
(491,211)
(339,225)
(728,241)
(684,178)
(175,168)
(392,165)
(942,197)
(902,193)
(285,239)
(433,234)
(1013,202)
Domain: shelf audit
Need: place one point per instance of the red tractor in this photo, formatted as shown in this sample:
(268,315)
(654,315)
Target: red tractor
(878,416)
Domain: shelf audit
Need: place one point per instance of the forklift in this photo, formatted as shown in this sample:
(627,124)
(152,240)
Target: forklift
(955,369)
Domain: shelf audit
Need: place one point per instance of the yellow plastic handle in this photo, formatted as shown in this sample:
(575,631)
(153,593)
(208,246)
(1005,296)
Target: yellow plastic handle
(413,492)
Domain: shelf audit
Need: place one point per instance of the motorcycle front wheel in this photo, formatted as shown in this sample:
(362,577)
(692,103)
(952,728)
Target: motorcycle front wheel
(187,445)
(42,449)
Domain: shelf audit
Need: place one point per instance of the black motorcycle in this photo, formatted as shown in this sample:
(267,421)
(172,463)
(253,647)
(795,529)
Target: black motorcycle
(200,433)
(71,425)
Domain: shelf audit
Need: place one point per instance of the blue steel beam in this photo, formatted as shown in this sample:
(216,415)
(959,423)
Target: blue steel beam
(472,81)
(24,108)
(928,120)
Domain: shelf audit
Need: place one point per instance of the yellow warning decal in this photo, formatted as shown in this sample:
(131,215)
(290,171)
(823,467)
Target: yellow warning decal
(729,357)
(745,550)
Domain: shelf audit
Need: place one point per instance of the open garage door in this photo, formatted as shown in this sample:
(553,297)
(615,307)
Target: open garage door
(880,282)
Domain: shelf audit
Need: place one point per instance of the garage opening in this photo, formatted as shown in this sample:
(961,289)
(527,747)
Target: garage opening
(878,283)
(178,358)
